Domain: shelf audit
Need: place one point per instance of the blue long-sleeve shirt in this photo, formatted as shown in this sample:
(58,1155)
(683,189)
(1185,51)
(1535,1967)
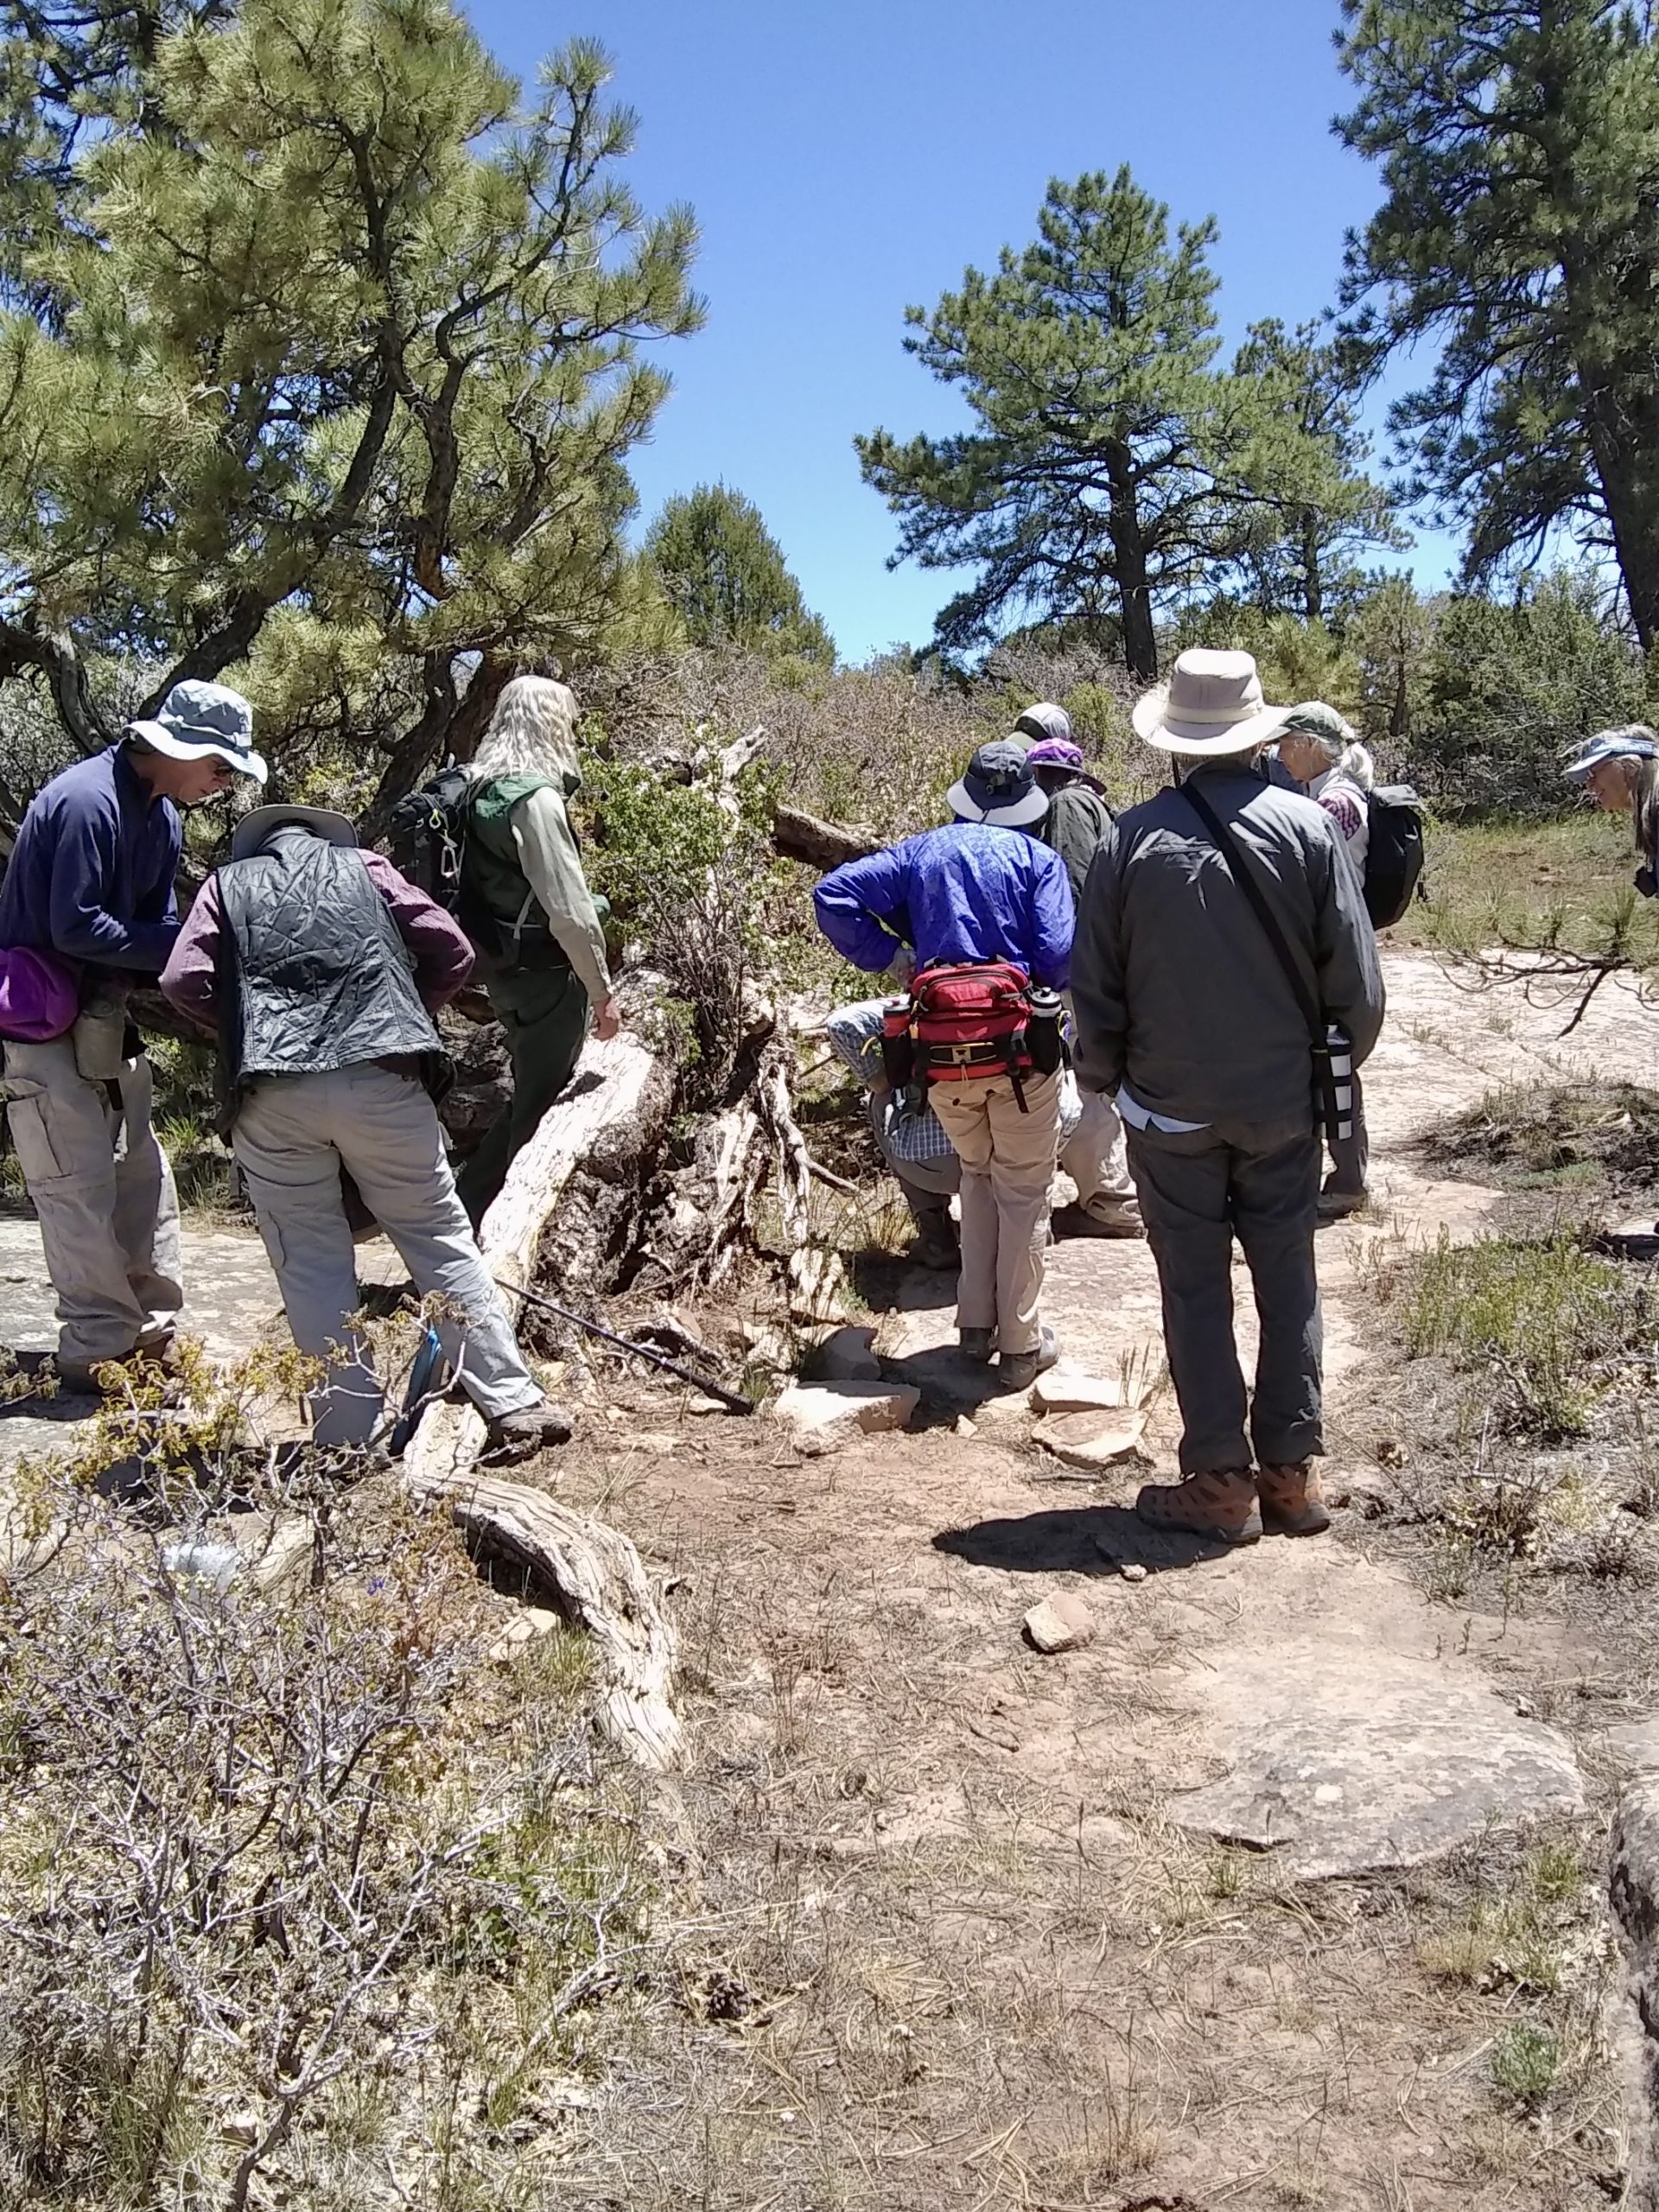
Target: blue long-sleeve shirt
(966,892)
(91,876)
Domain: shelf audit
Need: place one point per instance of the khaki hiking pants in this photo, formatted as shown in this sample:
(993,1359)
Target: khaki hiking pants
(104,1193)
(291,1135)
(1007,1163)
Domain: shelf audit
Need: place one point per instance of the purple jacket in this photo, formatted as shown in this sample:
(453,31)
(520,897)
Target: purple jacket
(91,876)
(965,893)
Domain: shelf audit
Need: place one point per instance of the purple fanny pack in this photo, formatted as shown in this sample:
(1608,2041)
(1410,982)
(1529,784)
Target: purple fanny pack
(39,995)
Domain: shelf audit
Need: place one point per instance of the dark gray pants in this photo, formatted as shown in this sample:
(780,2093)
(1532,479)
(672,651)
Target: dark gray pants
(1259,1182)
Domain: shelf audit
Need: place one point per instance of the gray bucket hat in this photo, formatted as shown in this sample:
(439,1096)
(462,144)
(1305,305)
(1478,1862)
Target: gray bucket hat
(197,722)
(1000,787)
(1045,720)
(251,831)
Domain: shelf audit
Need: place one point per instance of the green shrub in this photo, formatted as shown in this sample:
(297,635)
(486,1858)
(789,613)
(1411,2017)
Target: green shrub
(1551,1317)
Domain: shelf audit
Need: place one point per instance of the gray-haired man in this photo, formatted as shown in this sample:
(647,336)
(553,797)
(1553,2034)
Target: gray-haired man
(1185,1012)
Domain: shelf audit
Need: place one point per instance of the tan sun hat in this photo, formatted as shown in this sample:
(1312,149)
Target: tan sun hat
(1211,703)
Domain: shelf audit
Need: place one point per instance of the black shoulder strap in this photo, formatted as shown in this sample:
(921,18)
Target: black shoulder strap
(1240,872)
(1325,1082)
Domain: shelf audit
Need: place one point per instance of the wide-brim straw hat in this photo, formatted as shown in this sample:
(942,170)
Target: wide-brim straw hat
(251,831)
(1211,703)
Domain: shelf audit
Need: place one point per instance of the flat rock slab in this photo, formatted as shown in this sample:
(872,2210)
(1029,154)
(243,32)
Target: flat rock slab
(1094,1440)
(826,1414)
(1355,1776)
(231,1302)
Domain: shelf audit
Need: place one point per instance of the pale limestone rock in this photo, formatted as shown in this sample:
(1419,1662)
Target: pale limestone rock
(824,1415)
(1061,1622)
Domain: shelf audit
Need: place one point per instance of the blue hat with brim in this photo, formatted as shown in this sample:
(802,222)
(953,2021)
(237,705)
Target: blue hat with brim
(1609,748)
(203,721)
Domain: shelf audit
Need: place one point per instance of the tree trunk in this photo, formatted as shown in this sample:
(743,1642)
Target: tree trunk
(1631,499)
(1312,579)
(1130,566)
(594,1571)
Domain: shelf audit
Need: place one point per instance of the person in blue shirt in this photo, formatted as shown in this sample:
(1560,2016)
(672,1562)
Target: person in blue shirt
(979,889)
(89,886)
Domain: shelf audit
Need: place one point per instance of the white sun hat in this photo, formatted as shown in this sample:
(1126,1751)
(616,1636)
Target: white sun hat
(1211,703)
(197,722)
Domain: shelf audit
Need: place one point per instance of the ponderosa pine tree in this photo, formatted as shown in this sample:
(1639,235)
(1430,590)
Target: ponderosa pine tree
(724,574)
(1111,468)
(1519,141)
(324,376)
(1314,511)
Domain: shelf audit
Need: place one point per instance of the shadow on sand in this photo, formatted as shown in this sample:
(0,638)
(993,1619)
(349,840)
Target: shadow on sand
(1078,1540)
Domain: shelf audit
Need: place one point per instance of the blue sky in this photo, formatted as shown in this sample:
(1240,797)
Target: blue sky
(845,160)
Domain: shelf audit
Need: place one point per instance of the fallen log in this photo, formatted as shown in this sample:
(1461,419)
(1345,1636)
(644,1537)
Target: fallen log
(594,1571)
(802,836)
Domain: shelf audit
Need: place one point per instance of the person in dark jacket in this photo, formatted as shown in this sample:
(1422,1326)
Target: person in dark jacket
(981,889)
(1095,1156)
(89,890)
(1184,1012)
(320,968)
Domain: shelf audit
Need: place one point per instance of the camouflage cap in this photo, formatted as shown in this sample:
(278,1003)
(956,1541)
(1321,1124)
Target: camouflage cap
(1314,719)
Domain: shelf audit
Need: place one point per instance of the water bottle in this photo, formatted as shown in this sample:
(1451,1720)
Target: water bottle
(1341,1052)
(1044,1040)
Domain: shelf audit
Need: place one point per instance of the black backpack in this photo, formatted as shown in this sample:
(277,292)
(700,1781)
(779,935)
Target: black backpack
(1393,856)
(427,836)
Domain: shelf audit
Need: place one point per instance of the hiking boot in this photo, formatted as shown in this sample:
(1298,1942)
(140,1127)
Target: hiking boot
(1078,1221)
(516,1434)
(976,1345)
(1018,1371)
(1335,1205)
(1292,1500)
(1221,1505)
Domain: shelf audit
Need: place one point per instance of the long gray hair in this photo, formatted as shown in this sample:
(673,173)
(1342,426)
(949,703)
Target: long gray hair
(532,733)
(1345,753)
(1644,795)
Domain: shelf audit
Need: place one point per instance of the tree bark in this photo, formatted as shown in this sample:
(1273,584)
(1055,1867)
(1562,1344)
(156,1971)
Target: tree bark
(802,836)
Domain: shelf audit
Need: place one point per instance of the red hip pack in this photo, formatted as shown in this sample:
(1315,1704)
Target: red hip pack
(964,1022)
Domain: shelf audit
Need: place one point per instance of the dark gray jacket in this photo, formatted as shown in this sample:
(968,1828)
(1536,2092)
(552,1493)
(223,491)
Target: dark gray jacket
(318,975)
(1177,990)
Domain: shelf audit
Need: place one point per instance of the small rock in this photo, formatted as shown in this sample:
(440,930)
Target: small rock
(1061,1623)
(1063,1392)
(242,2127)
(1091,1440)
(702,1404)
(831,1413)
(966,1428)
(1132,1570)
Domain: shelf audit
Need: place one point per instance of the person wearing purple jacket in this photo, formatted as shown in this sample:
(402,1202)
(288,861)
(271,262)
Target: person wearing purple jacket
(320,967)
(88,890)
(979,889)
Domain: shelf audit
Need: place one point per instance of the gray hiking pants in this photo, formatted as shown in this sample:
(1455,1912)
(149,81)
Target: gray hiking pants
(291,1135)
(104,1194)
(1259,1182)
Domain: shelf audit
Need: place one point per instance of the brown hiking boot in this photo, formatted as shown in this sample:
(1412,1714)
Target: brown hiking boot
(1220,1505)
(516,1435)
(1292,1500)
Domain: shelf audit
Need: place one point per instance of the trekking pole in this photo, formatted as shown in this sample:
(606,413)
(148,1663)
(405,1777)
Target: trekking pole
(729,1399)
